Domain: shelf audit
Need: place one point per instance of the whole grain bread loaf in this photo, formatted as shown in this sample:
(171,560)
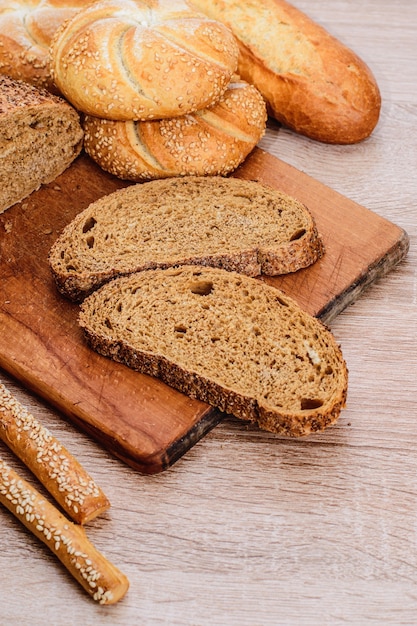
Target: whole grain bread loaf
(40,136)
(226,339)
(312,82)
(137,60)
(226,222)
(212,141)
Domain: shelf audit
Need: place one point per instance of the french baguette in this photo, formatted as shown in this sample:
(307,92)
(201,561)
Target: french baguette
(40,136)
(60,473)
(137,60)
(102,580)
(225,222)
(209,142)
(227,339)
(312,82)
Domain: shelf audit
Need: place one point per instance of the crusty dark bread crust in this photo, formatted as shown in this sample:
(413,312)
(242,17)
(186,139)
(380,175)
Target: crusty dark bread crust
(223,222)
(312,83)
(223,338)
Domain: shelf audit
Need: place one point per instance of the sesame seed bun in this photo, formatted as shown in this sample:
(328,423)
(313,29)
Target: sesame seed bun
(134,60)
(213,141)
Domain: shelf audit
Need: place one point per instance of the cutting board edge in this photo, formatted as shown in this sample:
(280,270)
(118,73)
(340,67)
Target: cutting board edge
(160,459)
(382,267)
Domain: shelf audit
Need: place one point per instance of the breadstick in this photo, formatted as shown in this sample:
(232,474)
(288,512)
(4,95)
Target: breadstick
(60,473)
(68,541)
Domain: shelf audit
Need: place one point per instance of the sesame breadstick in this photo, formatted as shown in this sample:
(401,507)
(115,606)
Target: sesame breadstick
(60,473)
(68,541)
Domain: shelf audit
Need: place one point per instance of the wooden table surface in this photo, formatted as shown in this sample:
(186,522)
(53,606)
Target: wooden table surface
(253,529)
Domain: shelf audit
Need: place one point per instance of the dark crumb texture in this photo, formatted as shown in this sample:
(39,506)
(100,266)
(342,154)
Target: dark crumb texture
(40,136)
(226,339)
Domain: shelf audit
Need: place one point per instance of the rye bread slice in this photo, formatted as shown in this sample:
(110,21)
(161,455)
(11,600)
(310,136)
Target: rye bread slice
(226,339)
(215,221)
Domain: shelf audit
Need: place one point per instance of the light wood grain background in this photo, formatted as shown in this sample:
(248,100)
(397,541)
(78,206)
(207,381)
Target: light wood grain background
(253,529)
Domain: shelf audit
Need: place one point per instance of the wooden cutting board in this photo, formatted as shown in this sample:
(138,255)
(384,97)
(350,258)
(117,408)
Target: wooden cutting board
(139,419)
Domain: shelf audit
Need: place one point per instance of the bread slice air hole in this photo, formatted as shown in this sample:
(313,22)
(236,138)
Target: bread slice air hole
(281,301)
(89,224)
(307,404)
(201,288)
(181,329)
(108,323)
(90,242)
(298,234)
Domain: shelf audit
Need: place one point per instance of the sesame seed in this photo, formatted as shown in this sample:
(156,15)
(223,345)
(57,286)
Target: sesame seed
(211,141)
(82,70)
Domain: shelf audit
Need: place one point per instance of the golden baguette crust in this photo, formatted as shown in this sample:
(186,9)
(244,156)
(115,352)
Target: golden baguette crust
(226,339)
(209,142)
(26,31)
(312,83)
(223,222)
(66,540)
(142,59)
(60,473)
(40,136)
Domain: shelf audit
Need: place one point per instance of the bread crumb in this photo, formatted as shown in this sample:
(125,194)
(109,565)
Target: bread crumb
(8,226)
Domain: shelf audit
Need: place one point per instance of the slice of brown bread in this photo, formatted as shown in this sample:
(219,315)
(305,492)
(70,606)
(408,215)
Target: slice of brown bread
(224,222)
(224,338)
(40,136)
